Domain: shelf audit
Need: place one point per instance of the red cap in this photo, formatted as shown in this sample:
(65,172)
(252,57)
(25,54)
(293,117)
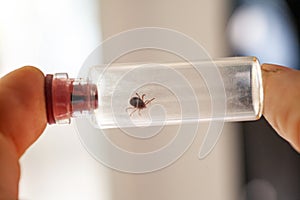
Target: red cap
(66,98)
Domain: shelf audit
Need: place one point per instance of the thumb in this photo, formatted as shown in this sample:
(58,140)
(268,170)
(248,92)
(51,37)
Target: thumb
(22,106)
(22,120)
(282,101)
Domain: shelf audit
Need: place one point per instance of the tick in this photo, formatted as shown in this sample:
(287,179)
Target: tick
(138,103)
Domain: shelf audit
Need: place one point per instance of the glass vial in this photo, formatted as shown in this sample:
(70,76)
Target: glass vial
(128,95)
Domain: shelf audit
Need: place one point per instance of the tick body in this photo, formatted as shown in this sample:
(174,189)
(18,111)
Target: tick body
(138,103)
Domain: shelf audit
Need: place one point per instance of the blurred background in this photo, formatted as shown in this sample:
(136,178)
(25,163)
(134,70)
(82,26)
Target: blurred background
(250,160)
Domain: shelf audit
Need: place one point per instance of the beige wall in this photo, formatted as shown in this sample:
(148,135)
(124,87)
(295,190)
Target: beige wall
(203,20)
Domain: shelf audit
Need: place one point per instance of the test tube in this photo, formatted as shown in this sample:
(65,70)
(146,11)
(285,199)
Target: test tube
(151,94)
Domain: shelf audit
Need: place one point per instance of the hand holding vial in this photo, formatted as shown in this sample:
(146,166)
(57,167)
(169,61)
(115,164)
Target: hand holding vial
(23,115)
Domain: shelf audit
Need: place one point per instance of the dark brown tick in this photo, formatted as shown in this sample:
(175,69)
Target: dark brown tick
(138,103)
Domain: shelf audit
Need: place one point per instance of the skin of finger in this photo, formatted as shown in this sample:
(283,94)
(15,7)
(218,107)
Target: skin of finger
(22,120)
(281,101)
(22,107)
(9,169)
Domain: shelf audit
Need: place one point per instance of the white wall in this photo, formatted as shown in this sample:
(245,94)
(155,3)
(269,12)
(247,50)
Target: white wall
(55,36)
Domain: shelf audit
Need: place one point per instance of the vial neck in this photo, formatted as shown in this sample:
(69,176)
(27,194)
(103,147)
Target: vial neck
(68,97)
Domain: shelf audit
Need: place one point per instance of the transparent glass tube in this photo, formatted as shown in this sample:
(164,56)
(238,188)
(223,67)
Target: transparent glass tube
(131,95)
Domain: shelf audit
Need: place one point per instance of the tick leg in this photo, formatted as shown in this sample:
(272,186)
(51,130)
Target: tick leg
(128,108)
(148,101)
(133,112)
(143,97)
(138,95)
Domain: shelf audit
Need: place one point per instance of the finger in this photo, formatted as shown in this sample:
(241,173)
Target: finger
(281,101)
(22,120)
(22,107)
(9,169)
